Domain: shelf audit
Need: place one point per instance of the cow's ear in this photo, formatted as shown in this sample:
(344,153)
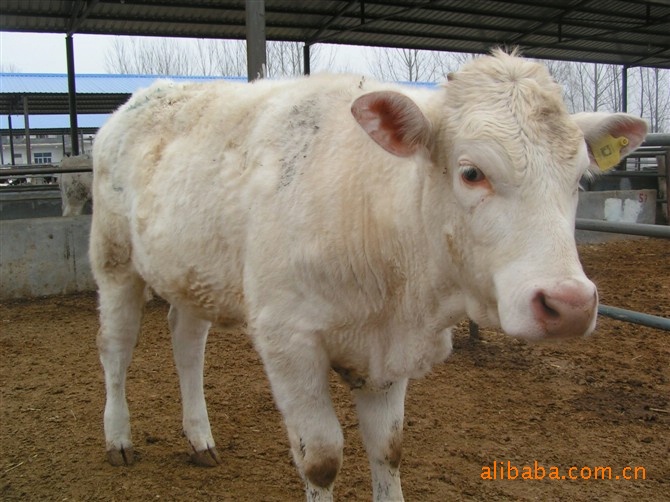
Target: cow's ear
(610,136)
(393,121)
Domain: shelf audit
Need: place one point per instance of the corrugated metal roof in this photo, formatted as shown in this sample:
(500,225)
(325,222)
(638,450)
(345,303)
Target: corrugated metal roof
(635,33)
(47,93)
(54,83)
(53,124)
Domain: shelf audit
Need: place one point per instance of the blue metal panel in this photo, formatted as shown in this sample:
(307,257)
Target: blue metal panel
(56,83)
(53,121)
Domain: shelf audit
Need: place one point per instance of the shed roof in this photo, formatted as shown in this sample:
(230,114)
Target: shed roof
(54,124)
(47,93)
(634,32)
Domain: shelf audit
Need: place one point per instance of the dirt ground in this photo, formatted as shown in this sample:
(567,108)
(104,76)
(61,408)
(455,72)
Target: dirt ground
(604,401)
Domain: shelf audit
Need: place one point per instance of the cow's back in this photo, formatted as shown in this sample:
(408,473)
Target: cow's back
(188,177)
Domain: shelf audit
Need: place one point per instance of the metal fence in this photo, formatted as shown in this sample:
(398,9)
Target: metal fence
(656,147)
(657,231)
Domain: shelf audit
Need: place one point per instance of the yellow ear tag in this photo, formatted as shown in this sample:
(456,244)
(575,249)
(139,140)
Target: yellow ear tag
(607,151)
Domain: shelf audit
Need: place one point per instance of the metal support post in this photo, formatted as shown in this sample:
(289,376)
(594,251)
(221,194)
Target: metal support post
(72,94)
(256,50)
(306,58)
(26,123)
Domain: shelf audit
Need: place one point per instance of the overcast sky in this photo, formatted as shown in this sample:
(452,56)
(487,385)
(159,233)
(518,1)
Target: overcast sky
(45,53)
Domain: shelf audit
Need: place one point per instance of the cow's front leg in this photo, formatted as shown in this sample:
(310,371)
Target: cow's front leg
(189,336)
(298,367)
(380,414)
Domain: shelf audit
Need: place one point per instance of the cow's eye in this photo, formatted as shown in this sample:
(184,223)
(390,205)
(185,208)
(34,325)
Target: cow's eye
(472,174)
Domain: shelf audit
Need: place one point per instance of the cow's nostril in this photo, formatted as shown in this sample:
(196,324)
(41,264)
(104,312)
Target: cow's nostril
(543,307)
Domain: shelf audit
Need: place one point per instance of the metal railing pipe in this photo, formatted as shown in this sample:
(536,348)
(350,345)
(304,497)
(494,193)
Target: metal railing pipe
(644,229)
(39,170)
(649,320)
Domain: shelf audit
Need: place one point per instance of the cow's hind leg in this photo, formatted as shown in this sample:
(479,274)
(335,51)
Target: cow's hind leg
(298,369)
(189,336)
(121,304)
(380,415)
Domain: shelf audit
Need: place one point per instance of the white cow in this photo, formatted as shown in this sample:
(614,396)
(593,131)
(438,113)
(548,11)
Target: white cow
(351,223)
(75,188)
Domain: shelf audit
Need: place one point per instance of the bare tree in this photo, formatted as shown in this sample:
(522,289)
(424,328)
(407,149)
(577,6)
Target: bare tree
(220,57)
(587,86)
(413,65)
(563,73)
(9,68)
(651,86)
(206,57)
(156,56)
(602,87)
(451,61)
(409,65)
(615,94)
(598,87)
(286,59)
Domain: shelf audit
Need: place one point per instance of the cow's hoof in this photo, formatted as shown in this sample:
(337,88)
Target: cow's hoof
(206,458)
(121,457)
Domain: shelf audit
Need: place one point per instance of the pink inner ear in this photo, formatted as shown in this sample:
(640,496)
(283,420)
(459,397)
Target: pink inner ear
(634,130)
(392,120)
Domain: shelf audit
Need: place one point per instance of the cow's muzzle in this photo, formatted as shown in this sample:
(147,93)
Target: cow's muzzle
(566,309)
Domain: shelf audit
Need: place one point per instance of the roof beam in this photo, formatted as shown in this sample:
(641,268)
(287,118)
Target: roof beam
(564,28)
(315,37)
(81,10)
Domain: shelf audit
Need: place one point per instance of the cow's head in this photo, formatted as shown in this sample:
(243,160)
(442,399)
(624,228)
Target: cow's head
(506,161)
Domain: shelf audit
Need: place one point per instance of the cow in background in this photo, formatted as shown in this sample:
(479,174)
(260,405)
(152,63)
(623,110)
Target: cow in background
(75,188)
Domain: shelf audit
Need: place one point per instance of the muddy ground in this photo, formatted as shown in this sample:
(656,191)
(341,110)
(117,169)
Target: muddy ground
(604,401)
